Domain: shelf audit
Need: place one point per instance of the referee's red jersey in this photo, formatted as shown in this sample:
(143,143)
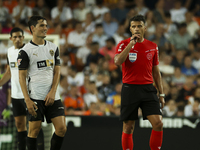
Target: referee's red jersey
(137,68)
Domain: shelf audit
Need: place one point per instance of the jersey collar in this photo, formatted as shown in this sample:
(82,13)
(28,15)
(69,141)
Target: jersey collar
(36,44)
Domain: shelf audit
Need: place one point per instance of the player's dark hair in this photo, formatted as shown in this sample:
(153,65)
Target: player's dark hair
(33,21)
(137,18)
(16,29)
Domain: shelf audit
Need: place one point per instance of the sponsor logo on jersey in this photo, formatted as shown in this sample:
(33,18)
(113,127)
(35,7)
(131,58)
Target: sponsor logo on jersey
(51,52)
(19,61)
(13,64)
(45,63)
(132,57)
(149,56)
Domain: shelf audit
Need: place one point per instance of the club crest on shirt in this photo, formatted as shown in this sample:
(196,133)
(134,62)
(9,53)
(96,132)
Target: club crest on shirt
(149,56)
(132,57)
(51,52)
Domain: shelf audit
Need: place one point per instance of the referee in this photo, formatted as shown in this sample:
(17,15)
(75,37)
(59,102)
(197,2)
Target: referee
(39,61)
(139,60)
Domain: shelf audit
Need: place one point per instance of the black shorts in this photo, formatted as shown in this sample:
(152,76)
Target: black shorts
(19,107)
(135,96)
(55,110)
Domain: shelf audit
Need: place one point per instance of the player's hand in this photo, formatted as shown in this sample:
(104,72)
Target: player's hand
(162,101)
(134,38)
(49,99)
(32,107)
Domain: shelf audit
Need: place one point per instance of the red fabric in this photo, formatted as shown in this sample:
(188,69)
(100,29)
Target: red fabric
(156,140)
(137,68)
(127,141)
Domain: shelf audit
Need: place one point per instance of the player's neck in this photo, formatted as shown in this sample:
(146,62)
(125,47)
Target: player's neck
(38,41)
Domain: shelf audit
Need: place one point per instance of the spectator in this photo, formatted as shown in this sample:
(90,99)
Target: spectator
(21,12)
(75,77)
(166,68)
(150,24)
(186,91)
(169,26)
(105,89)
(173,94)
(140,7)
(159,12)
(196,59)
(178,59)
(114,99)
(120,34)
(89,24)
(181,39)
(192,109)
(94,55)
(178,12)
(4,13)
(93,110)
(170,109)
(99,11)
(61,13)
(92,95)
(81,11)
(84,51)
(73,99)
(109,26)
(180,111)
(108,51)
(159,37)
(99,35)
(76,35)
(187,69)
(178,79)
(119,13)
(192,26)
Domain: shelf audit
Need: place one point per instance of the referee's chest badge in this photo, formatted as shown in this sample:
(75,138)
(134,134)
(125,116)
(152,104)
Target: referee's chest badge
(51,52)
(132,57)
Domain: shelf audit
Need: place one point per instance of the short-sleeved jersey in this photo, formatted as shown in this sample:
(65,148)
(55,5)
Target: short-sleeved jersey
(137,68)
(39,61)
(16,91)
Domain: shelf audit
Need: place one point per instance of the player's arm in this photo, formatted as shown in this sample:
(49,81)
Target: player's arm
(56,78)
(6,77)
(120,58)
(23,63)
(158,81)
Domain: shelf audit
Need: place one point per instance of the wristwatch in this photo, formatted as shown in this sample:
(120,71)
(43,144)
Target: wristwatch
(162,95)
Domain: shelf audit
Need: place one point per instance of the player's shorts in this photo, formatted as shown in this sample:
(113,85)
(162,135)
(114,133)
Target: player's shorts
(55,110)
(135,96)
(19,107)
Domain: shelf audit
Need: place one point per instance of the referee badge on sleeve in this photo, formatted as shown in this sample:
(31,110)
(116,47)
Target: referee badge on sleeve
(132,57)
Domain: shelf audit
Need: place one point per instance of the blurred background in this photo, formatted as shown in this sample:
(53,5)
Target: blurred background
(89,30)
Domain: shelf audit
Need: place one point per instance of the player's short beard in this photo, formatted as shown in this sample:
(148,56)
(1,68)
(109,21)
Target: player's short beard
(42,37)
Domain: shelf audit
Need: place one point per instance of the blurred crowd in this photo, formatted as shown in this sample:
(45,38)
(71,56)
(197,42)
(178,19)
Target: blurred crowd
(89,31)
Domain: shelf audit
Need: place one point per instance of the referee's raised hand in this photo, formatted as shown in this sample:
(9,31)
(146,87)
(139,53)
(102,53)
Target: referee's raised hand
(134,38)
(32,107)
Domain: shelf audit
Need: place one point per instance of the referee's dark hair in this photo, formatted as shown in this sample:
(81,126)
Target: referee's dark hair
(138,18)
(33,21)
(16,29)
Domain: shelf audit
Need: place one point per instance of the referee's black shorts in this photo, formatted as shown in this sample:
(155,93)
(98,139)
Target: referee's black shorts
(135,96)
